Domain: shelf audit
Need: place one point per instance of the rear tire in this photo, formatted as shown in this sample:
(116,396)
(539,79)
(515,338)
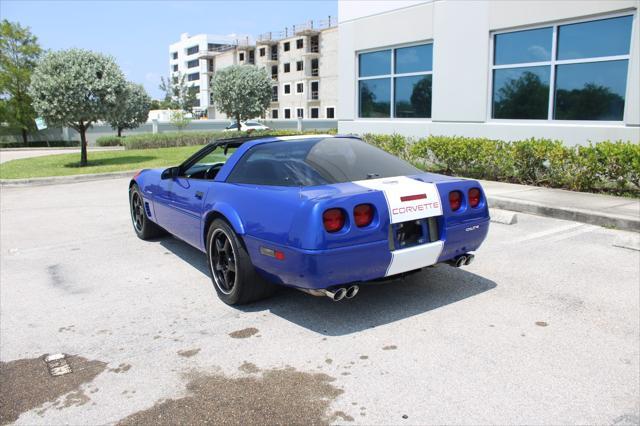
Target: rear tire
(145,229)
(232,273)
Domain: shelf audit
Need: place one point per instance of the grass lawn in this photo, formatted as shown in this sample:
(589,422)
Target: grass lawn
(99,162)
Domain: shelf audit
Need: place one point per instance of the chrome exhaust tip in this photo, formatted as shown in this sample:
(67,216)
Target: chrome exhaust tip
(460,261)
(470,259)
(352,291)
(336,295)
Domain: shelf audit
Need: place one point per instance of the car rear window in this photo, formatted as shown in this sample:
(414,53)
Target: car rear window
(311,162)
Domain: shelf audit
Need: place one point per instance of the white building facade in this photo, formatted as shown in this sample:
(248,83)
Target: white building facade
(509,70)
(302,61)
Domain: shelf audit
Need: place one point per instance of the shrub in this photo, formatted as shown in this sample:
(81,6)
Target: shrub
(38,144)
(171,139)
(605,166)
(109,141)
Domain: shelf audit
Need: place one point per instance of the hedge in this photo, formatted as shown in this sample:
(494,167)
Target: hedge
(172,139)
(598,167)
(38,144)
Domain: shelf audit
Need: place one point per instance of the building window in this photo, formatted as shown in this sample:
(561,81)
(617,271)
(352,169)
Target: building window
(263,51)
(193,76)
(274,93)
(196,102)
(274,114)
(314,113)
(286,46)
(300,112)
(299,87)
(274,72)
(287,67)
(315,68)
(396,82)
(315,90)
(175,68)
(331,112)
(193,63)
(287,113)
(193,50)
(286,89)
(299,66)
(299,43)
(241,56)
(575,71)
(174,55)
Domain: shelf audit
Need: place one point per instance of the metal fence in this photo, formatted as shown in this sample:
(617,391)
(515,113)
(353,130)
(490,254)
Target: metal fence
(97,130)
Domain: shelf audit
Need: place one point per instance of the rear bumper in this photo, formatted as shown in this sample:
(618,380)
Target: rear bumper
(318,269)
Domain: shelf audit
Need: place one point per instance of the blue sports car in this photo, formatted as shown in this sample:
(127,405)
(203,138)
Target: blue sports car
(324,214)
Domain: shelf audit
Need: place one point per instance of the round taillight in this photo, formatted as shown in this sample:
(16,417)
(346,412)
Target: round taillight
(333,220)
(474,197)
(455,200)
(363,215)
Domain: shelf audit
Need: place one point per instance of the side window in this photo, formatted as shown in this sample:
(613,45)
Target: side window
(203,169)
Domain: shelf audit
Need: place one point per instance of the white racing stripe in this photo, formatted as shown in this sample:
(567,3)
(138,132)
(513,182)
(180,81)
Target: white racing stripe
(409,199)
(427,203)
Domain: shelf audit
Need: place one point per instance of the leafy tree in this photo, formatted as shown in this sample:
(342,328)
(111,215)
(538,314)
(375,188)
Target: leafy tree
(591,102)
(178,94)
(133,108)
(76,88)
(180,120)
(19,52)
(242,91)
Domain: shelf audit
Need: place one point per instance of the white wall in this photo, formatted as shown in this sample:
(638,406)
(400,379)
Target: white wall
(461,33)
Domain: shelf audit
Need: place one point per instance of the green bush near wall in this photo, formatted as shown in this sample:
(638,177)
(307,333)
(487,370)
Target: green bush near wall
(38,144)
(598,167)
(172,139)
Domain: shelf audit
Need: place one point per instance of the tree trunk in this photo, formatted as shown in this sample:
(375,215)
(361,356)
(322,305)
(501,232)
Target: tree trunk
(238,121)
(24,136)
(119,132)
(83,146)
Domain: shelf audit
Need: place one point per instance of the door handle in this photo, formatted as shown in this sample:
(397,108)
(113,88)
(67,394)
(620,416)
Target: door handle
(199,195)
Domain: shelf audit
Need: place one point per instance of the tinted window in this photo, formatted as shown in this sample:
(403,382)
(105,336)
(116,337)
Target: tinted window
(521,92)
(606,37)
(414,58)
(375,63)
(375,98)
(523,46)
(591,91)
(413,96)
(313,162)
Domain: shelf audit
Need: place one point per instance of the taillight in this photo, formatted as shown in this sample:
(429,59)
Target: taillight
(363,215)
(333,220)
(474,197)
(455,200)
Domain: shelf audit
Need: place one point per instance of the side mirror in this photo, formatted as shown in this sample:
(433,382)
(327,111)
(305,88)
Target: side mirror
(170,173)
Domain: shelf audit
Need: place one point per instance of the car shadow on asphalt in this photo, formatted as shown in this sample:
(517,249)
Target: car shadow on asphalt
(377,303)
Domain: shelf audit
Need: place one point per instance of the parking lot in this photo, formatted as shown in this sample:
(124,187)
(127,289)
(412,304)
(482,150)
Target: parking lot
(542,329)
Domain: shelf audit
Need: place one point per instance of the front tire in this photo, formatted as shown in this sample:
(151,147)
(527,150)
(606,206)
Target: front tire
(145,229)
(232,273)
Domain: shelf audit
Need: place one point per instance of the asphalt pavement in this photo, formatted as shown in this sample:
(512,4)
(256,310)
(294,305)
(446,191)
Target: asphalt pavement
(543,328)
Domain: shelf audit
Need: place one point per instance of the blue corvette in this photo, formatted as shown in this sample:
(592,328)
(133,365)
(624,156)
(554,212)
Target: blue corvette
(323,214)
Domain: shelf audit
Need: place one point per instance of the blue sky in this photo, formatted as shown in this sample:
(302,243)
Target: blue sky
(138,33)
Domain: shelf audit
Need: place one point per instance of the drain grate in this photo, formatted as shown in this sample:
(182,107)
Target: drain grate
(57,364)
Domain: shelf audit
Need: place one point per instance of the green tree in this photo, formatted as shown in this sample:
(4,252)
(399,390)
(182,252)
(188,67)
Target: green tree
(133,108)
(180,120)
(19,52)
(76,88)
(241,91)
(525,97)
(178,94)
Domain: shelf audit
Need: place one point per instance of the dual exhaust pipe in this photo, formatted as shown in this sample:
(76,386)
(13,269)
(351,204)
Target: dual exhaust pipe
(464,260)
(342,293)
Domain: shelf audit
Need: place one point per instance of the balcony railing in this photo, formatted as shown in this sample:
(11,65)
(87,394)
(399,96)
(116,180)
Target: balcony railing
(274,77)
(315,95)
(274,97)
(274,56)
(314,48)
(315,72)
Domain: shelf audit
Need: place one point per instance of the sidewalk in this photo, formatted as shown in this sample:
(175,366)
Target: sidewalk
(8,154)
(596,209)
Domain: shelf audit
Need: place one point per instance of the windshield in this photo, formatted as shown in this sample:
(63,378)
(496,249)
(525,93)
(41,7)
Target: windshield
(311,162)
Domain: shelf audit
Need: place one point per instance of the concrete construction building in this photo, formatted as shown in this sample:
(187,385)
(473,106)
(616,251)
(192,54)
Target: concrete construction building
(302,61)
(508,70)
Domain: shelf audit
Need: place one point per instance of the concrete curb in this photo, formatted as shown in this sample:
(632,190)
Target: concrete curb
(578,215)
(56,180)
